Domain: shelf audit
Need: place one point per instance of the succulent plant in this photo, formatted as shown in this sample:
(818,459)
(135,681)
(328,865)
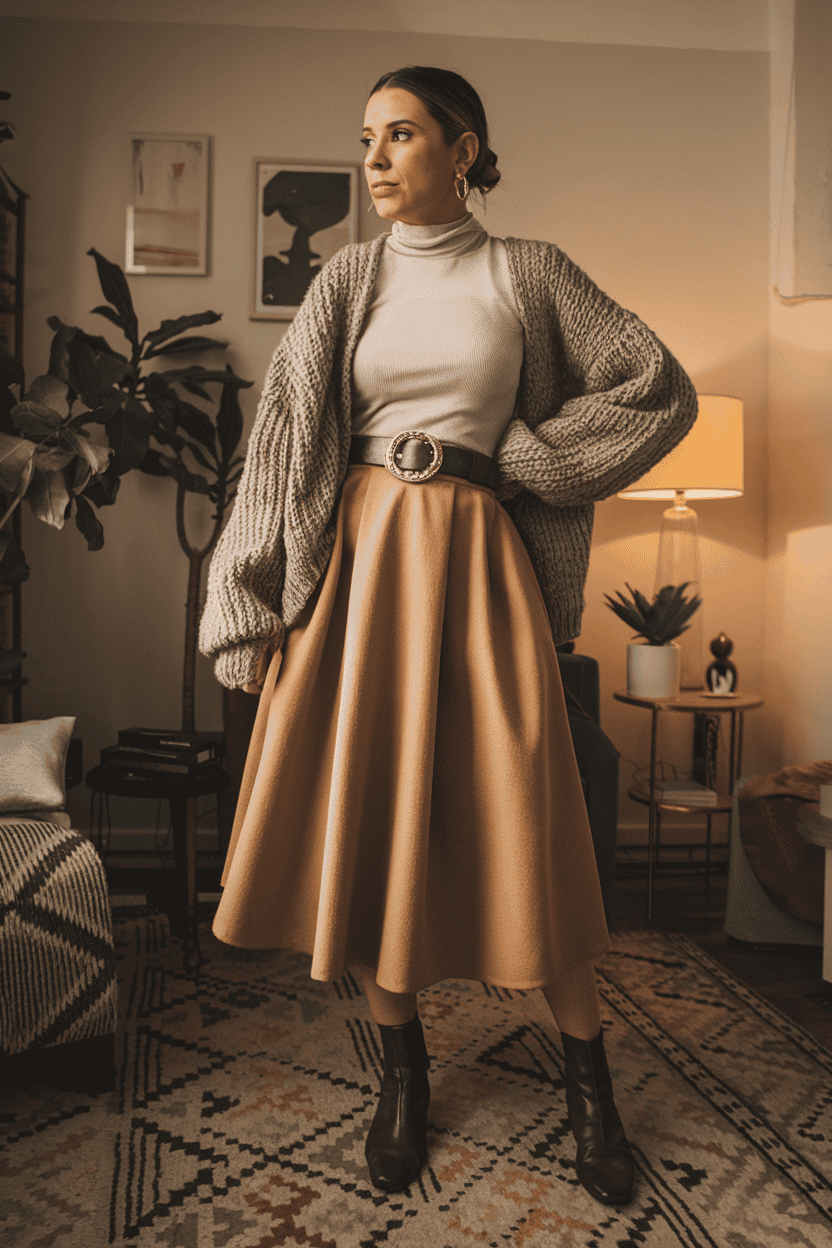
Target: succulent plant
(662,619)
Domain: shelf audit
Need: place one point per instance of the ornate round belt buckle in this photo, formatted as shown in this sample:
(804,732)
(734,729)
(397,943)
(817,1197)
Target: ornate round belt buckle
(413,474)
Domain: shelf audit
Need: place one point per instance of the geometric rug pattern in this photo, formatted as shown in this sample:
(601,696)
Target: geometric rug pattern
(244,1093)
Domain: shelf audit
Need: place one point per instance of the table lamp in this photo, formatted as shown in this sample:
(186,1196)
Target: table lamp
(707,463)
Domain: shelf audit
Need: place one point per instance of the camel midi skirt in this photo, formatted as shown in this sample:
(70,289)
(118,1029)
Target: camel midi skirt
(410,800)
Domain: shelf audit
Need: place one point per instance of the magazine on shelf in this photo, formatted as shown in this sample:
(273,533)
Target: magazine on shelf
(685,792)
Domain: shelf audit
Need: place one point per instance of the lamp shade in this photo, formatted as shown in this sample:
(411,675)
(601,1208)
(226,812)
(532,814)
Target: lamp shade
(707,463)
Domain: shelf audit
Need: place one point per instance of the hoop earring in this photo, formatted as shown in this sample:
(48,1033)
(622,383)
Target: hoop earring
(465,187)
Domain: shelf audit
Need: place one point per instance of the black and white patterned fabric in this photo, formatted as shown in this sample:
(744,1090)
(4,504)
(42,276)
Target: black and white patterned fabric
(57,958)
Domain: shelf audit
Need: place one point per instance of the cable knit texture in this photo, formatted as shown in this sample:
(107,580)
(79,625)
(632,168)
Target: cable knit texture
(601,400)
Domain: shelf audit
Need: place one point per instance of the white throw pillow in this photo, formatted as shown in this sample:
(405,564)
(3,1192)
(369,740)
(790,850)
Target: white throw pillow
(33,763)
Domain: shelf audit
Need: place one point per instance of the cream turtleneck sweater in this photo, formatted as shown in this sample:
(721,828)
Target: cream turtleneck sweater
(442,343)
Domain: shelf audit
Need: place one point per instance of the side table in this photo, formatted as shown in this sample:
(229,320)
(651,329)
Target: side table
(181,794)
(691,702)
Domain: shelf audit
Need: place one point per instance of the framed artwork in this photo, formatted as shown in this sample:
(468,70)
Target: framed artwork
(304,213)
(167,217)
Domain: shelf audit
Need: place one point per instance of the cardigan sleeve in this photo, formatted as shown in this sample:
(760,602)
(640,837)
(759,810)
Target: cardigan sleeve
(622,401)
(243,606)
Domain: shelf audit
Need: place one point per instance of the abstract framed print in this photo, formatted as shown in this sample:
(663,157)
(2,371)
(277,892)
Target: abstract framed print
(304,213)
(167,217)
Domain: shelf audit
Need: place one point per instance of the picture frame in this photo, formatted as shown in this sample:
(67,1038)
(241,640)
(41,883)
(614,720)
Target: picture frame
(295,201)
(167,216)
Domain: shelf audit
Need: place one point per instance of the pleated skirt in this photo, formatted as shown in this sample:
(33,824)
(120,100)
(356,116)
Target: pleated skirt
(411,801)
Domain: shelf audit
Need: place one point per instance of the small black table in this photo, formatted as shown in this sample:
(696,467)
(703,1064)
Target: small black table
(179,791)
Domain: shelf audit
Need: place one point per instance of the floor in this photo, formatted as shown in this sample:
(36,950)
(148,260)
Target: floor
(790,979)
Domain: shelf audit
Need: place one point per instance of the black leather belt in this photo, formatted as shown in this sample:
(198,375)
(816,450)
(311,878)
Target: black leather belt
(416,456)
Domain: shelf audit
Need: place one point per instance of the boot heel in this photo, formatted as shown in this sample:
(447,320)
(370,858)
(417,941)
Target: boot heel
(396,1147)
(604,1163)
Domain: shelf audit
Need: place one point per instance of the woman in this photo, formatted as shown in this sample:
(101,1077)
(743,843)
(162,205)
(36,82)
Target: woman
(411,804)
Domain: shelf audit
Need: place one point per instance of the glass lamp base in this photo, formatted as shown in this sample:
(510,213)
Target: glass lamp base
(678,564)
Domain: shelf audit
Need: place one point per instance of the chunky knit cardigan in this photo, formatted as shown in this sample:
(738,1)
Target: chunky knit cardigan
(600,401)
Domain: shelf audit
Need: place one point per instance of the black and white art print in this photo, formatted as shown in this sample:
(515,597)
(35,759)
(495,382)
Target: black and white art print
(304,214)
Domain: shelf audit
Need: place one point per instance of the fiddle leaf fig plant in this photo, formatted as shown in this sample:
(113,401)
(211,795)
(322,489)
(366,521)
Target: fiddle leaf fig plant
(661,620)
(47,453)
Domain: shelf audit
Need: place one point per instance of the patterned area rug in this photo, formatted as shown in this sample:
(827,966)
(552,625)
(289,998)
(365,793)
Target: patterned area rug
(244,1094)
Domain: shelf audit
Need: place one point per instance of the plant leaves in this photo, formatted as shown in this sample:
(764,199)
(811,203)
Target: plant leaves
(229,419)
(16,456)
(50,391)
(661,620)
(66,332)
(88,523)
(170,329)
(48,498)
(184,345)
(156,465)
(116,291)
(197,373)
(111,315)
(199,455)
(36,420)
(50,459)
(110,401)
(193,388)
(98,457)
(189,480)
(103,488)
(197,424)
(84,374)
(11,375)
(129,436)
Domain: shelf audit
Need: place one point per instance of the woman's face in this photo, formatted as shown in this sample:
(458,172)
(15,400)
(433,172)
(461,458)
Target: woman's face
(410,170)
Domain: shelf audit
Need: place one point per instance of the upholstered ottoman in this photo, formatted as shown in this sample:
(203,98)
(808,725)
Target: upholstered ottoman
(57,958)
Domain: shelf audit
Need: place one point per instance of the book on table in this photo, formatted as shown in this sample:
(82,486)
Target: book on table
(171,739)
(172,762)
(685,793)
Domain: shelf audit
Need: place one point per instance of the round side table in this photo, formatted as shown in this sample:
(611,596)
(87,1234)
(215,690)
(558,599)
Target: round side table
(180,793)
(690,702)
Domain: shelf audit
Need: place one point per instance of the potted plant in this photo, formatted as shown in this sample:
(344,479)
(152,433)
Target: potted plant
(48,457)
(653,665)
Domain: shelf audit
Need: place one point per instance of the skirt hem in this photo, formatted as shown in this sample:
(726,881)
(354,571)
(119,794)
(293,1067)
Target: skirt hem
(473,977)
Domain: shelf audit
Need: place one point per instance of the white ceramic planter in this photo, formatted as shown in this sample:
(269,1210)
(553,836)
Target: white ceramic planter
(653,671)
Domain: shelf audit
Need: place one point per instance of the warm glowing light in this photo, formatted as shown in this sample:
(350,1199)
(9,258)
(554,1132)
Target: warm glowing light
(708,463)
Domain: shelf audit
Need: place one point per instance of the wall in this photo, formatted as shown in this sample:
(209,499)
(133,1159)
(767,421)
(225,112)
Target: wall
(799,533)
(648,164)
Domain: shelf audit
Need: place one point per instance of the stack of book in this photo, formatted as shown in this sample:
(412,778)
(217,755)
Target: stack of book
(146,751)
(685,793)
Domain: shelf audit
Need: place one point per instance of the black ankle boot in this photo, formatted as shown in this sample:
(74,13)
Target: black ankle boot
(396,1148)
(604,1163)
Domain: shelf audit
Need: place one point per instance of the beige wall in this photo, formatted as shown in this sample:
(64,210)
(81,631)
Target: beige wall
(798,668)
(649,165)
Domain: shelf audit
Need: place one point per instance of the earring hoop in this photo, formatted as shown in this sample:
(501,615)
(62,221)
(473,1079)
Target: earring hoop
(465,187)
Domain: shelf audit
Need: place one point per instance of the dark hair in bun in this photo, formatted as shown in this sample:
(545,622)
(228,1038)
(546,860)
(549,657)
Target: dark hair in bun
(452,101)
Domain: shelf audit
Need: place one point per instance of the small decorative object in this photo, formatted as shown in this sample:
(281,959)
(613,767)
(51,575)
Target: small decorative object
(721,675)
(294,201)
(167,218)
(653,666)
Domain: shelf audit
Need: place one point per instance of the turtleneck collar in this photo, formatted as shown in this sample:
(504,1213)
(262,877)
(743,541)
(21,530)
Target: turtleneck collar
(456,238)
